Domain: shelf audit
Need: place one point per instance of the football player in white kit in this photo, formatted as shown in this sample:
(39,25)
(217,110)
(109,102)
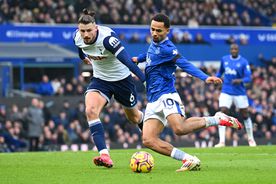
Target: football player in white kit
(236,72)
(100,47)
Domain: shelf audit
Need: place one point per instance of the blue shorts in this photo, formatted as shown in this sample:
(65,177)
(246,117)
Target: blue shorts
(123,91)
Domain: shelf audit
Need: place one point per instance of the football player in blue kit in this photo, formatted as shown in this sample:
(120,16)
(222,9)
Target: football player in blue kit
(236,72)
(165,106)
(100,47)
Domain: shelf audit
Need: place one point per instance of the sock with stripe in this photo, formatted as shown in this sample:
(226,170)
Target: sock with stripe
(97,133)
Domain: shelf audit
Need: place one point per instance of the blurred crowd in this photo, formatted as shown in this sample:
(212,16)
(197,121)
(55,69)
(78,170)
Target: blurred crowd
(192,13)
(36,127)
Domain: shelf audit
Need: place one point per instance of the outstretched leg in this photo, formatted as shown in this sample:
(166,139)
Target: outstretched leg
(181,126)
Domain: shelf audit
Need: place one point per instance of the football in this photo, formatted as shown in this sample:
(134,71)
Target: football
(141,162)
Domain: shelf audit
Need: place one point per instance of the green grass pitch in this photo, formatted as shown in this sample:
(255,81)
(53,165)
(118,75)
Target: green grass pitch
(218,165)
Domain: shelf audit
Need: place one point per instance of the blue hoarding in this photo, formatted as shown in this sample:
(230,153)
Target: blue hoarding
(62,34)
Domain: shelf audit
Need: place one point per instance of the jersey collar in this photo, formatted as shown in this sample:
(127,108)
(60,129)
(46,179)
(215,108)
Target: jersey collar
(160,42)
(239,56)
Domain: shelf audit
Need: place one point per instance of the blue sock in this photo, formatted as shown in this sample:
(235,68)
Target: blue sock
(97,132)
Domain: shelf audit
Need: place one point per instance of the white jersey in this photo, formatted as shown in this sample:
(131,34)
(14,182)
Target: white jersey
(105,64)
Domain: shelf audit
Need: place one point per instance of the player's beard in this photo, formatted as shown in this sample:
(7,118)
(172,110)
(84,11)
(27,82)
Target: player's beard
(87,40)
(156,39)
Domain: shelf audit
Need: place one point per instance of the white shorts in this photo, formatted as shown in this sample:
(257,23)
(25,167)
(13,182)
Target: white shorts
(167,104)
(226,100)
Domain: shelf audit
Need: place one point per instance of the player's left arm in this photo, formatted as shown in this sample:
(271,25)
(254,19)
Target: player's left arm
(188,67)
(113,44)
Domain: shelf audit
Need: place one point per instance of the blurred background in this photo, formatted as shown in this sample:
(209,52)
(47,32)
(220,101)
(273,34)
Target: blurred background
(40,71)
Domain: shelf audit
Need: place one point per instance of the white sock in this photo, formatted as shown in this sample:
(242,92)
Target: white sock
(221,134)
(211,121)
(104,151)
(249,128)
(179,155)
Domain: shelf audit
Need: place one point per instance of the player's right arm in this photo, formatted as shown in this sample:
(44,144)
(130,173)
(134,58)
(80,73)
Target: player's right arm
(221,69)
(188,67)
(84,57)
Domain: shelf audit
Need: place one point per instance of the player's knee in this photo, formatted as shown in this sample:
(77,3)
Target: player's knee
(148,142)
(178,130)
(91,112)
(134,119)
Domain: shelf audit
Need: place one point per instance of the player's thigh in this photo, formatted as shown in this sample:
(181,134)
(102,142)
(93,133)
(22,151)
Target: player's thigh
(101,87)
(241,101)
(152,128)
(154,110)
(94,101)
(225,100)
(125,92)
(175,121)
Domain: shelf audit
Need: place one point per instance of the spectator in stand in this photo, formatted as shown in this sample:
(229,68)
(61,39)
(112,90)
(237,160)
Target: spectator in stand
(15,114)
(3,114)
(267,62)
(139,12)
(80,115)
(230,40)
(199,39)
(45,87)
(69,110)
(35,122)
(186,39)
(62,135)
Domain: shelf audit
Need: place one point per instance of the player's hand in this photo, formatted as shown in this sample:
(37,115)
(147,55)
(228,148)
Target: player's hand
(86,61)
(213,80)
(135,59)
(236,81)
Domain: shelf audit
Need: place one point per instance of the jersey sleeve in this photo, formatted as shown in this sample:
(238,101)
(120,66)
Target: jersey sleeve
(188,67)
(113,44)
(221,69)
(82,56)
(142,57)
(247,73)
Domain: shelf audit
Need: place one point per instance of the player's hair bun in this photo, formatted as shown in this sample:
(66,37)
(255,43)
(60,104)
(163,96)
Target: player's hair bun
(87,12)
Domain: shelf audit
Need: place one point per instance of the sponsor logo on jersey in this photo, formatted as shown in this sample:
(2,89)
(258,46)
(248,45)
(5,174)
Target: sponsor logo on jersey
(248,67)
(114,42)
(148,60)
(157,51)
(97,58)
(230,71)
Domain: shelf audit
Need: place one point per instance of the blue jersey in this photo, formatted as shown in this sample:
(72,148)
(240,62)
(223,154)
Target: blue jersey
(234,68)
(162,59)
